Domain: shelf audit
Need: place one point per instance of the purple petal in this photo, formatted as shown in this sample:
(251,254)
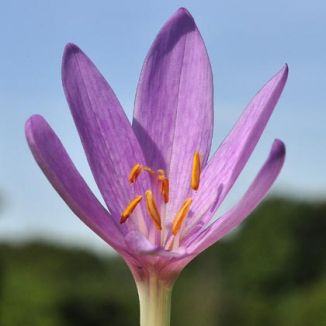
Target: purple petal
(247,204)
(53,159)
(228,161)
(140,245)
(173,114)
(108,139)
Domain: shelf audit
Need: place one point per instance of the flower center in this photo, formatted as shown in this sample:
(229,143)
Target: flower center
(161,179)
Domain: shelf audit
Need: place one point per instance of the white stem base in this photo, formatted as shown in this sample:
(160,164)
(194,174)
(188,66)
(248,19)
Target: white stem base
(155,301)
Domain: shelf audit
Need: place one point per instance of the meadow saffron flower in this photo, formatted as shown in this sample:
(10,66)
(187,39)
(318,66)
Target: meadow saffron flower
(160,190)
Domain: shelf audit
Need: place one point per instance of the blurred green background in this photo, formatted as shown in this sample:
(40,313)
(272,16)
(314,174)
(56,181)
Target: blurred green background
(271,271)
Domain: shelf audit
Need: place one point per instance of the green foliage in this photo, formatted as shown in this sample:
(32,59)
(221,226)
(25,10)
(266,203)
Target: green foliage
(271,272)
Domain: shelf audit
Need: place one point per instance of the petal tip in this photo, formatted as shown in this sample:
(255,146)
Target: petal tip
(35,118)
(183,17)
(286,67)
(182,11)
(278,149)
(284,72)
(28,122)
(70,48)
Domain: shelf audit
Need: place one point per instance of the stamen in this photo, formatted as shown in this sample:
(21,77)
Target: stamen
(195,173)
(134,173)
(165,189)
(181,215)
(161,172)
(152,210)
(130,208)
(164,184)
(149,170)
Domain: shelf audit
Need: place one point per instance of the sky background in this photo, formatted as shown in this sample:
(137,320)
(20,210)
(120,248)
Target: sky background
(247,41)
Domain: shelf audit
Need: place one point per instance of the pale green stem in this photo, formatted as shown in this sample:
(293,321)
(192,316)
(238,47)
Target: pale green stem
(155,301)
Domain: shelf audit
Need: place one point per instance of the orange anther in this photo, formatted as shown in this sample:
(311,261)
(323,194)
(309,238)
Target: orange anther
(161,177)
(130,208)
(181,215)
(134,173)
(165,189)
(161,172)
(152,209)
(195,172)
(164,184)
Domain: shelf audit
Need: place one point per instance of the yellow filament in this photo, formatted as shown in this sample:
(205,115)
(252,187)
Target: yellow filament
(152,210)
(195,172)
(130,208)
(181,215)
(149,170)
(134,173)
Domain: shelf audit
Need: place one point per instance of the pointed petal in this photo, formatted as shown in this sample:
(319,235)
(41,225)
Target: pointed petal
(173,115)
(228,161)
(108,139)
(247,204)
(64,177)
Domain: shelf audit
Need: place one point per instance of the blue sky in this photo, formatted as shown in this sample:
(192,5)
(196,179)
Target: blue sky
(247,43)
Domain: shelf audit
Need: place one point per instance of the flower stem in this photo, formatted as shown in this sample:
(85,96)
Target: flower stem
(155,301)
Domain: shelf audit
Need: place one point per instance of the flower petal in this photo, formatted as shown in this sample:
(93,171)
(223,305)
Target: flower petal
(108,139)
(246,205)
(140,245)
(53,159)
(228,161)
(173,114)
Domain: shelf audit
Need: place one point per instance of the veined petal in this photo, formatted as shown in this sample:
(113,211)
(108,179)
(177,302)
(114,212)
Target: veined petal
(228,161)
(246,205)
(108,139)
(53,159)
(173,114)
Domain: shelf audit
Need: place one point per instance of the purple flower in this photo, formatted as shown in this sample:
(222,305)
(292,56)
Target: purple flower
(160,189)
